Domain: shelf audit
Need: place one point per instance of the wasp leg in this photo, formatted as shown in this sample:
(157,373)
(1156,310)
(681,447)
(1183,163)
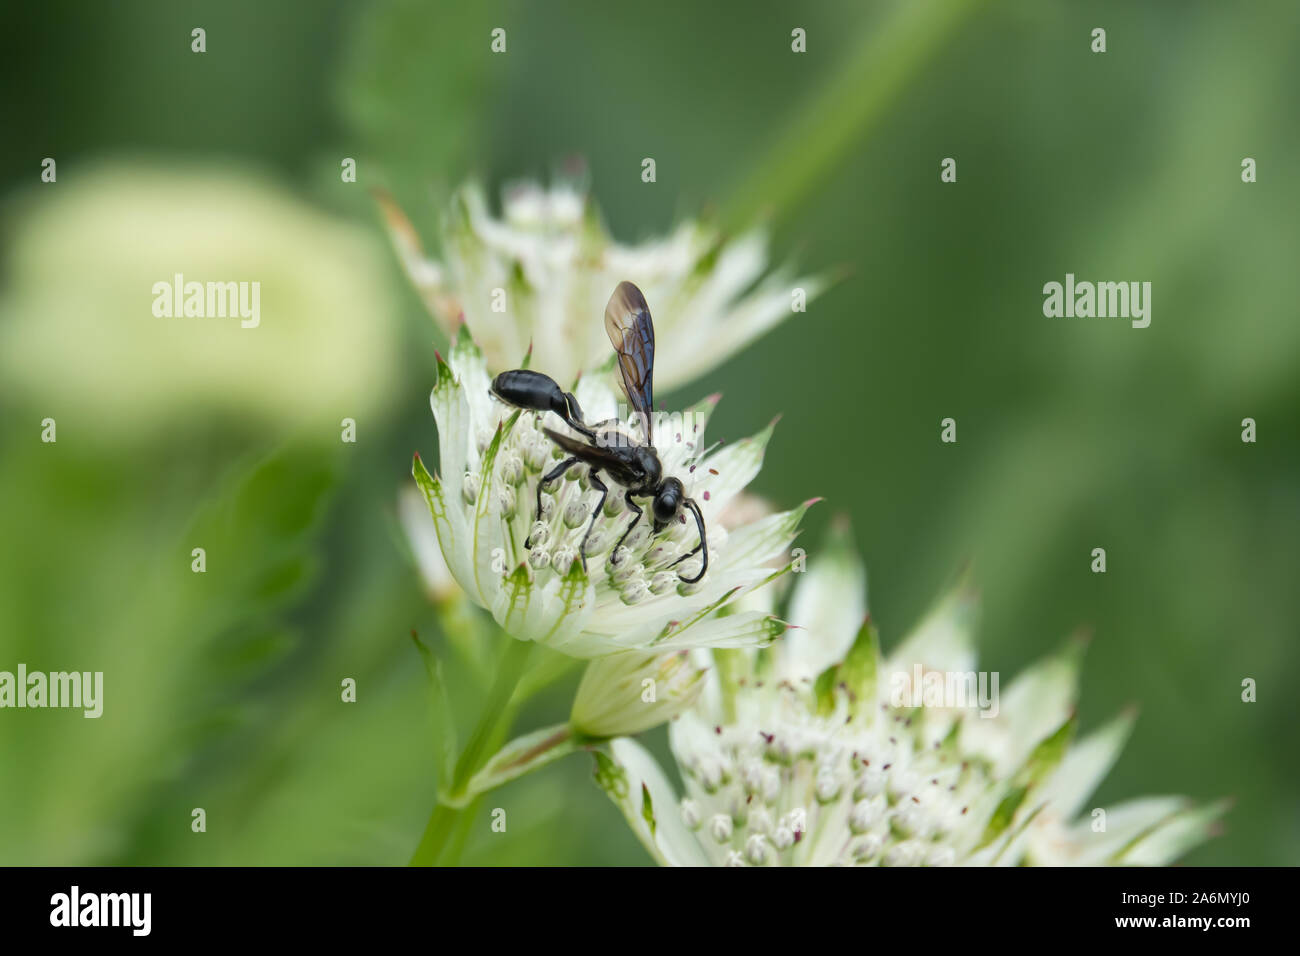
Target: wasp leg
(594,477)
(638,511)
(550,476)
(702,546)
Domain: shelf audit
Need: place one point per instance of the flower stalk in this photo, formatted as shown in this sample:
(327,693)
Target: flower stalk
(493,721)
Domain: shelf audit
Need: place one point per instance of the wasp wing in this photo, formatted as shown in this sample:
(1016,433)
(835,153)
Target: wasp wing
(632,333)
(595,455)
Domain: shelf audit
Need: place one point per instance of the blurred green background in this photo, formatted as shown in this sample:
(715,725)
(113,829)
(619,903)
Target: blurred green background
(222,689)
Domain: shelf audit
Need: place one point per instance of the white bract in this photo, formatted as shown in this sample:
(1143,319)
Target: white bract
(541,274)
(483,503)
(795,756)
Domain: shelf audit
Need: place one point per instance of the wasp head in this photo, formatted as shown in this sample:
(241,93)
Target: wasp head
(668,501)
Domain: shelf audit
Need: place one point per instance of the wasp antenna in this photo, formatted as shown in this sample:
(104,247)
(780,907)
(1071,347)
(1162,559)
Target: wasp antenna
(702,548)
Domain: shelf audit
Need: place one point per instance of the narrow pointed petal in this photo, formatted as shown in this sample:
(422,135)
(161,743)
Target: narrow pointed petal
(828,605)
(942,641)
(632,774)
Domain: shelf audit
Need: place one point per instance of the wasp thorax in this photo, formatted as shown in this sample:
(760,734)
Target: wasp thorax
(648,462)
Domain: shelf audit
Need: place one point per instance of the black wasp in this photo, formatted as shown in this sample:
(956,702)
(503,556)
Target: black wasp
(609,447)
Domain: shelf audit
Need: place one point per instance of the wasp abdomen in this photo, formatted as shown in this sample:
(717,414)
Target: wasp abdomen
(537,392)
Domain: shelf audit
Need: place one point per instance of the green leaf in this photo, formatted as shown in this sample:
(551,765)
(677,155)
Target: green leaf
(520,756)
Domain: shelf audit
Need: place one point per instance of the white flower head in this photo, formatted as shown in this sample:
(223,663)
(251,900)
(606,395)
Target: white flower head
(537,275)
(529,572)
(790,764)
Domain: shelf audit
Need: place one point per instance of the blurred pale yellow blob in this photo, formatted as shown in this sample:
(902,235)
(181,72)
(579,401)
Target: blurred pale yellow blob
(80,338)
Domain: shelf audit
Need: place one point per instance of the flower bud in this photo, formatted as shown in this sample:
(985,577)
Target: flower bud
(562,559)
(691,814)
(663,582)
(512,468)
(469,487)
(505,498)
(625,694)
(575,512)
(537,454)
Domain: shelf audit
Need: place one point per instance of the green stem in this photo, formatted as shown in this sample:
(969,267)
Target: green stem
(463,827)
(491,725)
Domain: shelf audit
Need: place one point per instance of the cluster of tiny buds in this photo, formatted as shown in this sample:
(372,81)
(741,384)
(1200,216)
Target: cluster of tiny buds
(898,807)
(637,566)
